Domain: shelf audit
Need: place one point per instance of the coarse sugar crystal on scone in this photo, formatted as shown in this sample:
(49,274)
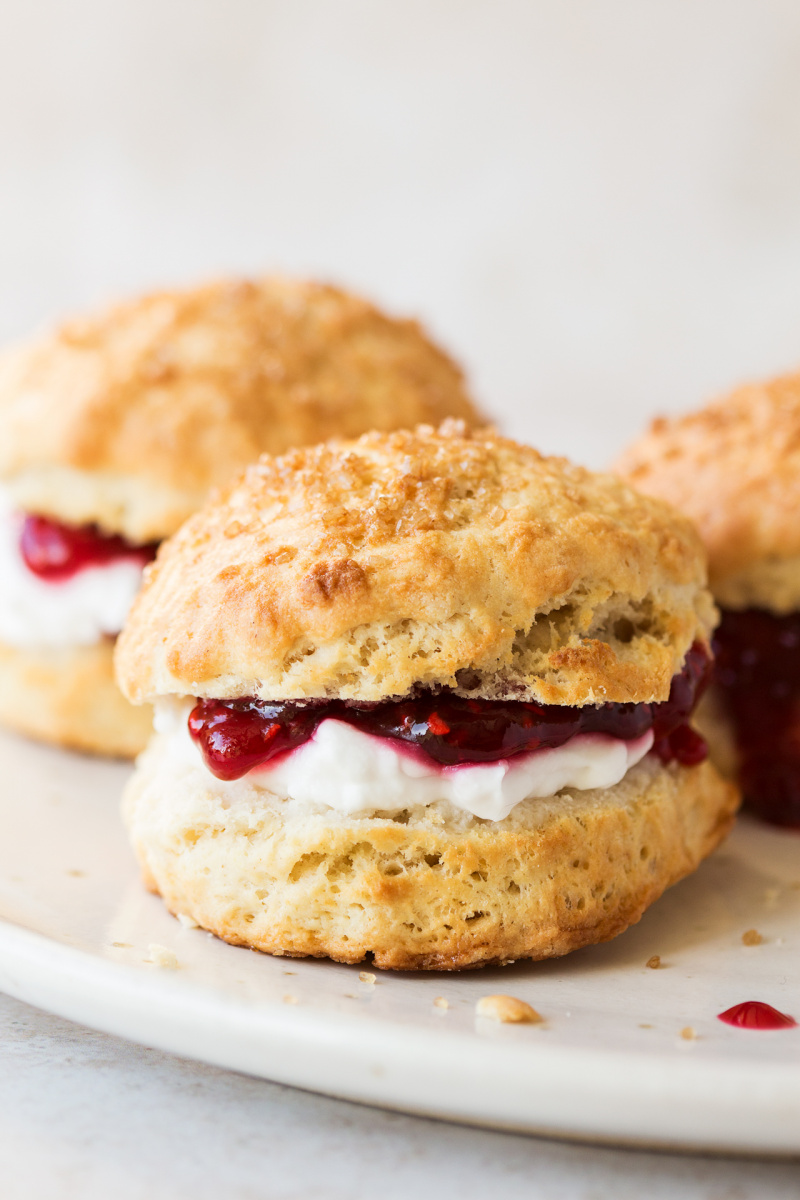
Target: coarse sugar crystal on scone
(115,427)
(734,468)
(424,696)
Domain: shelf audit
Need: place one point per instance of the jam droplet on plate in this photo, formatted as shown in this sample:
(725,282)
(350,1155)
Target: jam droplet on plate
(56,552)
(755,1014)
(235,736)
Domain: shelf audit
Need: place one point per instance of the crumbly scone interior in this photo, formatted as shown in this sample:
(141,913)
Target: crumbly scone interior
(536,661)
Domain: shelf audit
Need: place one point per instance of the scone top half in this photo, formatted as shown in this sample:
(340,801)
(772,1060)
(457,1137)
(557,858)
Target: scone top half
(734,468)
(421,562)
(114,428)
(127,419)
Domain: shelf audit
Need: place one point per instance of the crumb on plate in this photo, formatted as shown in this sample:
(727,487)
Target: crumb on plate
(751,937)
(653,962)
(162,956)
(507,1009)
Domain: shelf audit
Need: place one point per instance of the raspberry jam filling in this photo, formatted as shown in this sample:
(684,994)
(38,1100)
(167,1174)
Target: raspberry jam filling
(758,675)
(235,736)
(56,552)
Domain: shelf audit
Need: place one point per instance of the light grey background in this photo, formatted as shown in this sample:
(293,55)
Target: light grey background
(594,203)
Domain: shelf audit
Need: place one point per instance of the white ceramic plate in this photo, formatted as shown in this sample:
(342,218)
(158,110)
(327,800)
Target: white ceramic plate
(608,1063)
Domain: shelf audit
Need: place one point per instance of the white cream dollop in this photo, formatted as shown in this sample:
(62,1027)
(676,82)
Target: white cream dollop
(357,773)
(78,611)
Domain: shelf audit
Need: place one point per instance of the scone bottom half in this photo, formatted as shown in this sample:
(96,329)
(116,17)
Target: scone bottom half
(734,468)
(65,595)
(358,757)
(114,428)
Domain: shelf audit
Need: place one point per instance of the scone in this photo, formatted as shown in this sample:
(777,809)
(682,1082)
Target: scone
(422,697)
(734,468)
(113,429)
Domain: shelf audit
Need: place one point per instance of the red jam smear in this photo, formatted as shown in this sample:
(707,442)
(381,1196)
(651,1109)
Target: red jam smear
(755,1014)
(758,675)
(237,735)
(56,552)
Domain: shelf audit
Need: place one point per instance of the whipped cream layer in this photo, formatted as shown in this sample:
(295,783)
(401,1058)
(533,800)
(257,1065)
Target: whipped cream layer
(356,773)
(39,614)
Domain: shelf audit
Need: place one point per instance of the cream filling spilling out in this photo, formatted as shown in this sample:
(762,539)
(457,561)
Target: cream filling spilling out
(356,773)
(79,611)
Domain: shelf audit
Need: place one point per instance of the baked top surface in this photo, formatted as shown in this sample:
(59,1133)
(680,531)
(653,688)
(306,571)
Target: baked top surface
(436,558)
(734,468)
(177,390)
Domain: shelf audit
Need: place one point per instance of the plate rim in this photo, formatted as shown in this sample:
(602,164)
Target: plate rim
(619,1097)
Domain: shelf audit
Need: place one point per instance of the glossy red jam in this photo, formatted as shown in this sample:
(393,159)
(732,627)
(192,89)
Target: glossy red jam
(55,552)
(237,735)
(758,675)
(755,1014)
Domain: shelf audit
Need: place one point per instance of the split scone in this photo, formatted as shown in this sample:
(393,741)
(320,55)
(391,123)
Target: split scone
(734,468)
(113,429)
(426,697)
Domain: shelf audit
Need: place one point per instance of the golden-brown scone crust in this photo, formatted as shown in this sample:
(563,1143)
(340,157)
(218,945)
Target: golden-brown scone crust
(433,558)
(734,468)
(69,697)
(128,418)
(436,890)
